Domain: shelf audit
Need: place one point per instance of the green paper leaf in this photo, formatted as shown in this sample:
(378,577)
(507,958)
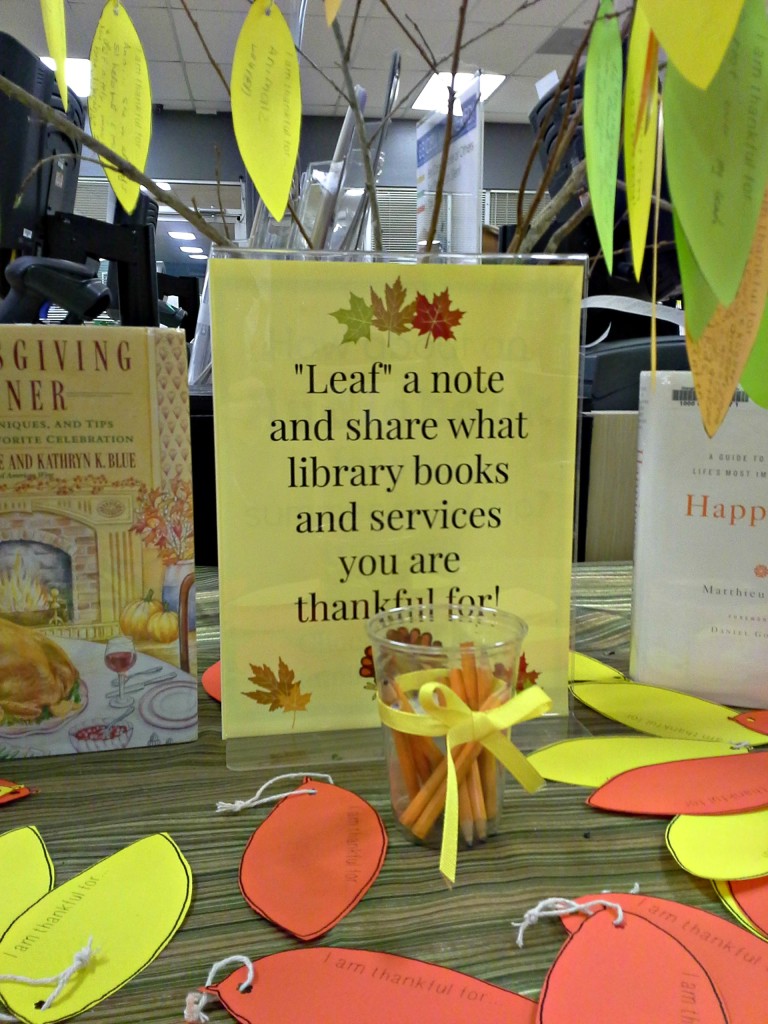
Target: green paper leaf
(754,376)
(716,143)
(699,301)
(602,122)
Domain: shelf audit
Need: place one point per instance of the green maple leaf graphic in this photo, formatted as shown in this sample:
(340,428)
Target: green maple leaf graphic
(357,319)
(390,314)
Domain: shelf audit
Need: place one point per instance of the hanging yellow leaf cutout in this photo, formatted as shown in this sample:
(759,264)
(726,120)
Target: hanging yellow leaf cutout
(716,147)
(641,106)
(266,103)
(730,846)
(120,105)
(602,121)
(718,358)
(26,870)
(56,37)
(694,33)
(332,8)
(130,905)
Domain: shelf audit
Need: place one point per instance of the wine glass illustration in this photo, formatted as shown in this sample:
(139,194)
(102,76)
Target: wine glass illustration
(119,656)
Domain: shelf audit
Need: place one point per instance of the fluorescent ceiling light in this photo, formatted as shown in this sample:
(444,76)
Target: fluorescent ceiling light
(182,236)
(78,72)
(198,256)
(190,248)
(434,95)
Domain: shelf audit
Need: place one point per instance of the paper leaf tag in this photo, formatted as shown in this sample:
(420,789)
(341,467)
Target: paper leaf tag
(641,106)
(755,721)
(633,972)
(716,157)
(211,680)
(661,712)
(582,668)
(130,904)
(120,104)
(10,791)
(747,900)
(731,957)
(754,376)
(695,33)
(26,870)
(56,37)
(593,760)
(352,985)
(332,8)
(707,785)
(313,859)
(266,103)
(603,77)
(720,845)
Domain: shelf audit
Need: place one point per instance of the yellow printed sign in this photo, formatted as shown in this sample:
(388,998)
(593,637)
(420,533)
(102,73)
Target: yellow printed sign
(120,105)
(56,37)
(695,33)
(266,103)
(641,108)
(386,434)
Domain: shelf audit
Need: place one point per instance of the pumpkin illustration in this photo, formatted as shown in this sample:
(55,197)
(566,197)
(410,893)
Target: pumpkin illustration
(134,618)
(163,626)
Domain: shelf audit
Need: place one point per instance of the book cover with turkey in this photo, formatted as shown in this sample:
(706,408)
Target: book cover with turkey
(700,598)
(97,641)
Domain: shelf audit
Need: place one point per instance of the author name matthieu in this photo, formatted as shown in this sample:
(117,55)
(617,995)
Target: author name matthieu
(703,506)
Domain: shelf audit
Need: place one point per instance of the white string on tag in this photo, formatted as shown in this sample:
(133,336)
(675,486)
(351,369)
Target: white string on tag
(81,959)
(197,1001)
(557,906)
(257,800)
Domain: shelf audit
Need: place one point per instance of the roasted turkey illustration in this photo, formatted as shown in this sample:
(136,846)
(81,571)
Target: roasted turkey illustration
(37,679)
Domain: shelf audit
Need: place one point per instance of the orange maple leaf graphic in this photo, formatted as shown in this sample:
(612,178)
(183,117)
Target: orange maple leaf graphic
(390,314)
(280,692)
(436,319)
(526,676)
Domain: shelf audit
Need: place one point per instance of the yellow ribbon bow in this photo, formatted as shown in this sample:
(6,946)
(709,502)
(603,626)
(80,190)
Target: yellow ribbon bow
(452,718)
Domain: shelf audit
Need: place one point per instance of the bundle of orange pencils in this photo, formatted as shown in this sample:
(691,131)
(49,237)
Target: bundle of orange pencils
(423,768)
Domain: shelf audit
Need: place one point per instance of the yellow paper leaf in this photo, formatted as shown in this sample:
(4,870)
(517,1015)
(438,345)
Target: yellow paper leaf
(266,103)
(332,8)
(56,37)
(641,108)
(602,122)
(593,760)
(723,890)
(26,870)
(728,846)
(695,33)
(667,713)
(582,667)
(130,904)
(717,359)
(120,105)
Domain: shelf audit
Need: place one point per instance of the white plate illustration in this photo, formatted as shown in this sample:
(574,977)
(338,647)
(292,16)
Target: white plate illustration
(171,705)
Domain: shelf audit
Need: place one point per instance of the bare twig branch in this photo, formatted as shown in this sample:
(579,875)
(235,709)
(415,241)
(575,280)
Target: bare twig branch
(426,55)
(204,45)
(352,29)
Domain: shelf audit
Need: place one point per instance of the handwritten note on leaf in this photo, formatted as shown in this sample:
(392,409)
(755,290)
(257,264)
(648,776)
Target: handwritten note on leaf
(719,356)
(27,870)
(131,904)
(717,153)
(266,103)
(641,108)
(56,37)
(120,105)
(695,33)
(602,121)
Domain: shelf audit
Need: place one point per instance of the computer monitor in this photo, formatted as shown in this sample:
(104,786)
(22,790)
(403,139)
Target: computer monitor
(40,164)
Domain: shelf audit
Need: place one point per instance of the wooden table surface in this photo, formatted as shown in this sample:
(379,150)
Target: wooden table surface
(551,843)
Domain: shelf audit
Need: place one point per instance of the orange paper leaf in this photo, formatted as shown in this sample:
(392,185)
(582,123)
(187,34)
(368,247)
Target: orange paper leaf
(313,859)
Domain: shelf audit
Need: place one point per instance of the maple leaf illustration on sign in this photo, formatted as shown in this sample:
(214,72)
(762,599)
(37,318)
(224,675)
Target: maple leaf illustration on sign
(390,314)
(436,319)
(280,692)
(357,319)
